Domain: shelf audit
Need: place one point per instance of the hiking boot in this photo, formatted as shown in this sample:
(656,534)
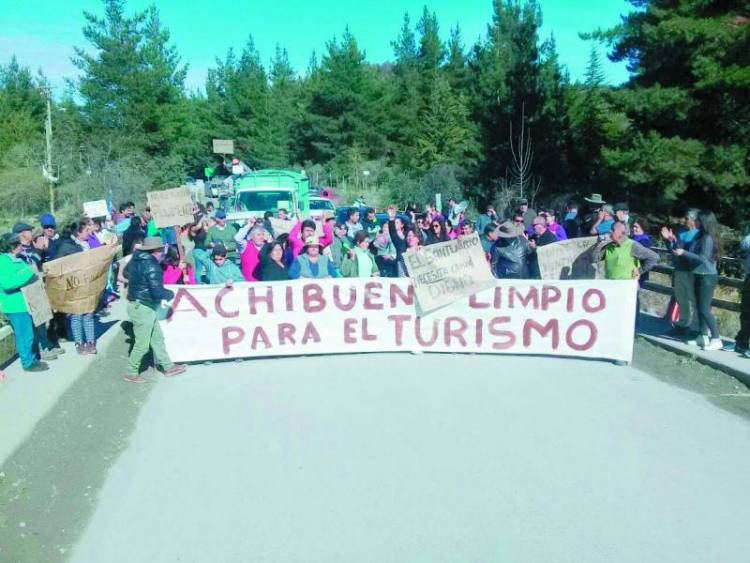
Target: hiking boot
(39,366)
(175,370)
(90,348)
(47,355)
(81,348)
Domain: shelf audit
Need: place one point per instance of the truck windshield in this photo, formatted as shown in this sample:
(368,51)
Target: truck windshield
(318,204)
(266,200)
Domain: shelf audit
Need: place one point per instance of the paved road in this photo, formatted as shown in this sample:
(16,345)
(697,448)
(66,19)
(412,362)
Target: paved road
(427,458)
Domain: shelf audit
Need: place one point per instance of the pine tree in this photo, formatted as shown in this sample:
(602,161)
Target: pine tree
(132,82)
(688,101)
(456,68)
(404,101)
(445,134)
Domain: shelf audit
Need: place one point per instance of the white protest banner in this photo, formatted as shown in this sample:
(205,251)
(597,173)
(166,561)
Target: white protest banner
(171,207)
(223,146)
(447,271)
(571,259)
(590,319)
(37,302)
(96,208)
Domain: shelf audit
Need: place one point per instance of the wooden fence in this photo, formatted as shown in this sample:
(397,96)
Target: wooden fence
(727,264)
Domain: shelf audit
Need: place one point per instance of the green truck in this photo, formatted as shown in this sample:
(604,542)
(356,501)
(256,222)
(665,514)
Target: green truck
(259,191)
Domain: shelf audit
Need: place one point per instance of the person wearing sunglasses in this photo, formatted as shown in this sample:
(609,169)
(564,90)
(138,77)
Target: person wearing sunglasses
(437,233)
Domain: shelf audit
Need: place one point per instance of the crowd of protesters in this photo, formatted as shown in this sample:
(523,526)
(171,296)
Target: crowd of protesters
(213,250)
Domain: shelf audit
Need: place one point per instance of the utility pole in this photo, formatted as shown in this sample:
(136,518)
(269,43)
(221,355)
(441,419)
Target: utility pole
(48,139)
(47,168)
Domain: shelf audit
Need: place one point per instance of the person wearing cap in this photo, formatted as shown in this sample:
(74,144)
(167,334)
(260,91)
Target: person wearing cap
(590,213)
(511,252)
(28,253)
(146,291)
(605,220)
(224,233)
(522,207)
(15,273)
(312,263)
(622,214)
(49,227)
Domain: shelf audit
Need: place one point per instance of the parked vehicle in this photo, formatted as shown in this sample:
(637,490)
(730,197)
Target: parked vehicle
(320,207)
(343,212)
(259,191)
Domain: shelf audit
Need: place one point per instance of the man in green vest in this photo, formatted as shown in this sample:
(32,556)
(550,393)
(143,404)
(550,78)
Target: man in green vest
(624,258)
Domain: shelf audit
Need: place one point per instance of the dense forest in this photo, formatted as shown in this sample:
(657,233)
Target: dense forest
(487,121)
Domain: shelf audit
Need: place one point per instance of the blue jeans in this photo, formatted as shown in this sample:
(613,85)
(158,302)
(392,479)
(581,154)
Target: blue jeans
(23,329)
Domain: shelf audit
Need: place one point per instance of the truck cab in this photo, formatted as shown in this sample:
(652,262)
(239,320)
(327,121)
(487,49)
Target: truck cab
(259,191)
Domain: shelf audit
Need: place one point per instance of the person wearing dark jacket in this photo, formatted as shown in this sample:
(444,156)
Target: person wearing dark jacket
(511,252)
(145,292)
(702,256)
(272,261)
(397,229)
(72,241)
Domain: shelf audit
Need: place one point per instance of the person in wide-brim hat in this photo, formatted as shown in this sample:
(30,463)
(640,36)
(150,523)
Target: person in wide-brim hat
(311,241)
(509,230)
(152,243)
(595,198)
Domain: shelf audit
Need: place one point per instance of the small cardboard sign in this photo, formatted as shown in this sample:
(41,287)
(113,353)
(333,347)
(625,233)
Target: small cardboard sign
(223,146)
(448,271)
(571,259)
(37,302)
(96,208)
(171,207)
(281,226)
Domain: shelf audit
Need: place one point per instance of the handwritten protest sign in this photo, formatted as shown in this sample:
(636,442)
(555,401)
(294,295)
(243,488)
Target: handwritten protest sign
(571,259)
(37,302)
(75,282)
(96,208)
(171,207)
(445,272)
(223,146)
(581,318)
(281,226)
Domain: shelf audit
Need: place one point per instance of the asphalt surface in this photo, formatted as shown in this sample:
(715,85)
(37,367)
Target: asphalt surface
(388,457)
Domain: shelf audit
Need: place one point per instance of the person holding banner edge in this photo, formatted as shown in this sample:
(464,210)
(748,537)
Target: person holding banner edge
(145,293)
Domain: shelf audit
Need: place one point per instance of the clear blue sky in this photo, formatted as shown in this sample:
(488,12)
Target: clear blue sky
(42,32)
